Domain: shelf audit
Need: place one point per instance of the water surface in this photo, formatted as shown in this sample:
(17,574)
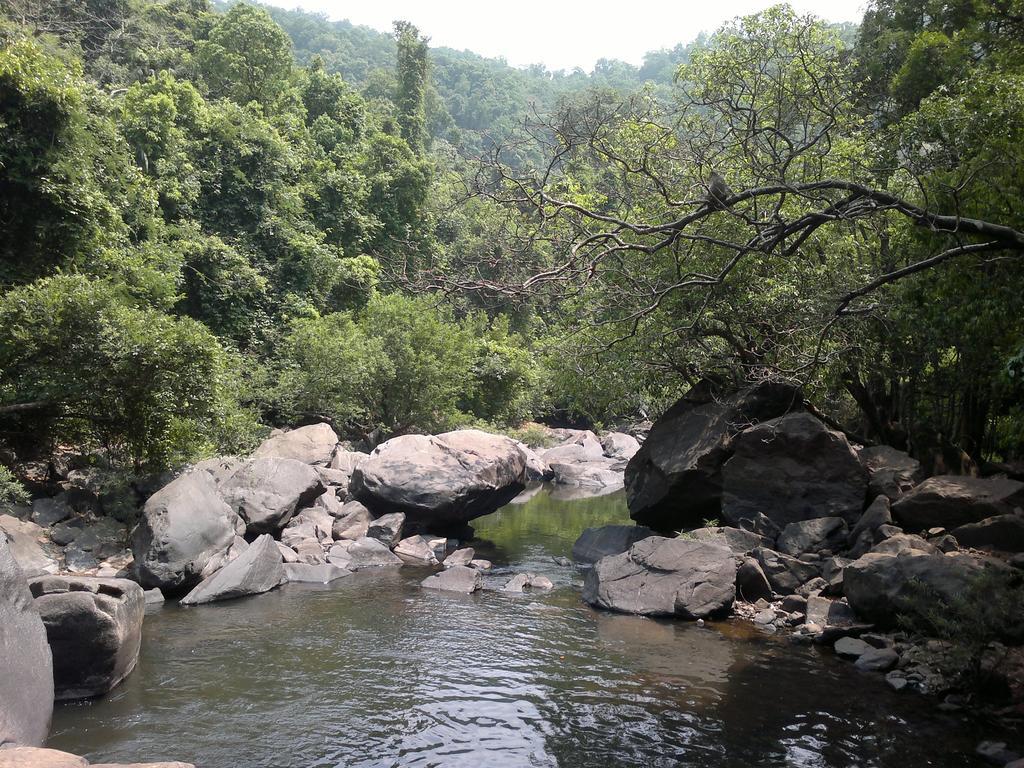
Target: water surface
(374,671)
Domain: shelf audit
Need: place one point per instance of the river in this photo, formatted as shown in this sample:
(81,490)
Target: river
(374,671)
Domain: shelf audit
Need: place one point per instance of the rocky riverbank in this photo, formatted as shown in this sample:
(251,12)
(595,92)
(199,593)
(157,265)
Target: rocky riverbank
(746,505)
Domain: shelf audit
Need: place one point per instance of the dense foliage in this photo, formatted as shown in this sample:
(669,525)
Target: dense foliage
(214,220)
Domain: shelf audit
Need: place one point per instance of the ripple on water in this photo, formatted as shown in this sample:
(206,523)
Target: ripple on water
(372,671)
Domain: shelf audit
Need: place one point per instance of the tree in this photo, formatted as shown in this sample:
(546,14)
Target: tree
(246,57)
(412,83)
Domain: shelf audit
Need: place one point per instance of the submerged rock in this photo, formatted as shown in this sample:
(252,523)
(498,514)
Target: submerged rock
(458,578)
(444,480)
(258,569)
(665,577)
(26,666)
(94,627)
(305,573)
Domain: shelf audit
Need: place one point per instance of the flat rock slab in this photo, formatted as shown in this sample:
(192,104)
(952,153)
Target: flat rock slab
(258,569)
(304,573)
(665,577)
(595,543)
(94,627)
(31,757)
(458,578)
(26,668)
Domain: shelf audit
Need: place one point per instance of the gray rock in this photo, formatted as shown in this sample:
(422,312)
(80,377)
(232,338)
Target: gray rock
(63,534)
(220,468)
(595,543)
(258,569)
(310,552)
(266,492)
(370,553)
(387,529)
(599,473)
(288,555)
(751,583)
(462,556)
(904,544)
(354,522)
(94,627)
(851,647)
(329,502)
(1004,533)
(619,445)
(47,512)
(878,586)
(834,617)
(785,574)
(421,550)
(26,665)
(183,525)
(891,473)
(481,565)
(580,449)
(952,501)
(812,535)
(458,578)
(862,536)
(537,470)
(739,541)
(304,573)
(312,523)
(104,537)
(832,572)
(444,480)
(665,577)
(518,583)
(795,604)
(542,583)
(313,444)
(683,455)
(791,469)
(153,596)
(23,539)
(877,660)
(896,680)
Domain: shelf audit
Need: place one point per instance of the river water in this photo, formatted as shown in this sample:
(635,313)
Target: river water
(374,671)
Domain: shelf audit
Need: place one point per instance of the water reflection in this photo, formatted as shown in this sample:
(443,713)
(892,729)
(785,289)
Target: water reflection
(373,671)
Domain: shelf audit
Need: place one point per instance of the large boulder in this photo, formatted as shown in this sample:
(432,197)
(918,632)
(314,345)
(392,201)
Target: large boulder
(314,444)
(674,481)
(595,543)
(1004,533)
(183,525)
(891,472)
(739,541)
(258,569)
(785,574)
(665,577)
(34,757)
(812,535)
(387,529)
(353,523)
(598,474)
(879,587)
(266,492)
(26,666)
(23,539)
(619,445)
(790,469)
(949,501)
(441,481)
(94,627)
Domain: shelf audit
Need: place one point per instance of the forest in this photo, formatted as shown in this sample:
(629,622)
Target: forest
(218,219)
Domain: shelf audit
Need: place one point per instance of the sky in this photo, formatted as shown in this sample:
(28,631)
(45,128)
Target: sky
(561,34)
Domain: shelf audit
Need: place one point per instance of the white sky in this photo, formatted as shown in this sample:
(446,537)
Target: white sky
(562,34)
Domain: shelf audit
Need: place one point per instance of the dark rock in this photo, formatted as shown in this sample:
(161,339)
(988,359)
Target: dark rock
(674,481)
(904,544)
(258,569)
(1004,533)
(387,529)
(94,627)
(304,573)
(313,444)
(851,647)
(267,492)
(879,586)
(595,543)
(791,469)
(785,574)
(877,660)
(26,666)
(443,480)
(891,473)
(832,572)
(795,604)
(952,501)
(665,577)
(862,536)
(811,535)
(458,578)
(884,532)
(47,512)
(183,525)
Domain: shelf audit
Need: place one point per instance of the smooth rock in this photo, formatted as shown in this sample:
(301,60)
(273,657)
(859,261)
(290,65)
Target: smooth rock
(951,501)
(904,544)
(619,445)
(665,577)
(354,522)
(599,473)
(595,543)
(387,529)
(851,647)
(94,627)
(1003,533)
(791,469)
(313,444)
(183,525)
(739,541)
(26,666)
(258,569)
(751,583)
(420,550)
(370,553)
(458,578)
(542,583)
(444,480)
(877,660)
(463,556)
(304,573)
(23,539)
(481,565)
(681,459)
(153,596)
(266,492)
(518,583)
(33,757)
